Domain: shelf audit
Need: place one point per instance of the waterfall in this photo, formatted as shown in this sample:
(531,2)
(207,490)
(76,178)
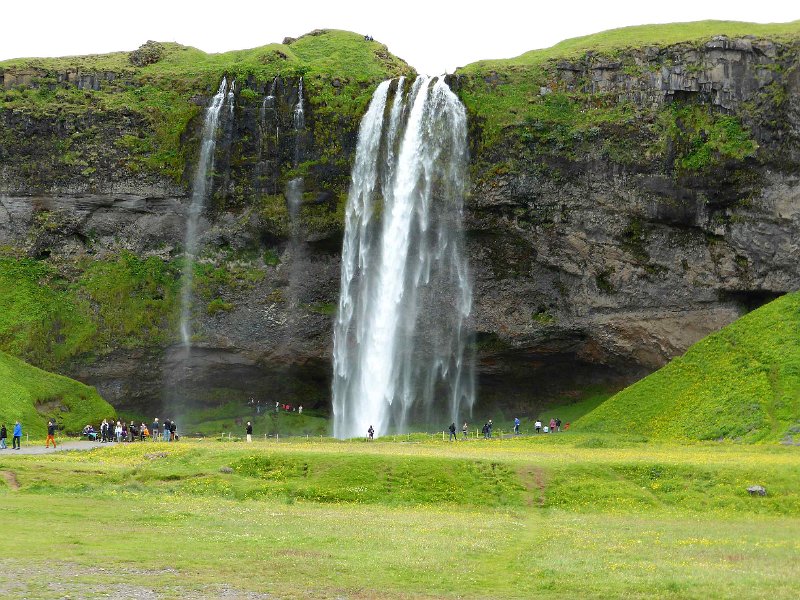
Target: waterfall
(400,336)
(294,200)
(200,185)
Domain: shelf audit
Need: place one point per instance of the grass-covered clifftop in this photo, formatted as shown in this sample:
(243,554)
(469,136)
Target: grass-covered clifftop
(32,396)
(156,92)
(742,382)
(602,95)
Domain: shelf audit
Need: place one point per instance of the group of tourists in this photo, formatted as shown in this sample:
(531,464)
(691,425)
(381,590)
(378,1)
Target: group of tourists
(124,432)
(486,430)
(15,440)
(552,427)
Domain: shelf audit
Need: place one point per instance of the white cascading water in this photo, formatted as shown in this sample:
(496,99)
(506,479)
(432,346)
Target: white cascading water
(294,201)
(200,185)
(400,336)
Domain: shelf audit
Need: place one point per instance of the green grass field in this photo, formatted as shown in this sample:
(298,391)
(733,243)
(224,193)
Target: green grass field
(563,515)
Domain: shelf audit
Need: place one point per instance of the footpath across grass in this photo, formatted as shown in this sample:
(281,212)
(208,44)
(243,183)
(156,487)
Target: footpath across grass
(561,515)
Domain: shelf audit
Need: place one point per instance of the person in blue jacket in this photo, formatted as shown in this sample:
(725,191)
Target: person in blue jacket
(17,436)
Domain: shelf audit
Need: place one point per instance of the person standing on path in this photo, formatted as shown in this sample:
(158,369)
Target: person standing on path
(453,434)
(489,426)
(51,432)
(3,436)
(17,436)
(465,430)
(249,431)
(166,430)
(516,425)
(154,430)
(371,432)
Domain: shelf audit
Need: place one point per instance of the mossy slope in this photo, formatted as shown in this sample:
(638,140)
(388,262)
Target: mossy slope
(742,382)
(31,396)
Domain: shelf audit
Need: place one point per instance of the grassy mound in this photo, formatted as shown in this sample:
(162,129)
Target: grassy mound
(741,382)
(32,396)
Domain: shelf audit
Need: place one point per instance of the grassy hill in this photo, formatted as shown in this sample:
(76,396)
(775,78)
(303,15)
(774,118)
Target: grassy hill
(31,396)
(741,382)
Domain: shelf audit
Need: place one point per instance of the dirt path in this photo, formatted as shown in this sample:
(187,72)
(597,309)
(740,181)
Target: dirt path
(11,479)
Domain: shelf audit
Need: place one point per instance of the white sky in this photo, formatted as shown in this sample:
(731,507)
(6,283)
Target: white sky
(434,36)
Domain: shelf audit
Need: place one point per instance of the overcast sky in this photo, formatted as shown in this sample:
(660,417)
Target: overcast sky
(433,36)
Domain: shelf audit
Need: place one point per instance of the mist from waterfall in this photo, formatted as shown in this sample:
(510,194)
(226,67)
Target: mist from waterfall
(200,187)
(401,332)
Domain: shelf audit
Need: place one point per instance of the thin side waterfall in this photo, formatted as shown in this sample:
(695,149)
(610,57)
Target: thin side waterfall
(267,106)
(294,200)
(401,332)
(200,185)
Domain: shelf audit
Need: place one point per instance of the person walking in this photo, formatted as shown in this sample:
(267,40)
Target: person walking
(166,430)
(17,436)
(538,426)
(249,431)
(154,430)
(516,425)
(371,432)
(173,431)
(489,426)
(3,436)
(453,434)
(118,432)
(465,430)
(51,432)
(552,424)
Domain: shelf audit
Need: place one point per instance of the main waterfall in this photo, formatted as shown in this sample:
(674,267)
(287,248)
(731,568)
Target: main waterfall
(400,337)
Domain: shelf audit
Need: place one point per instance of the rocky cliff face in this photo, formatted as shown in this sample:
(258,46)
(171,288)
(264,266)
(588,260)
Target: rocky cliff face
(622,208)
